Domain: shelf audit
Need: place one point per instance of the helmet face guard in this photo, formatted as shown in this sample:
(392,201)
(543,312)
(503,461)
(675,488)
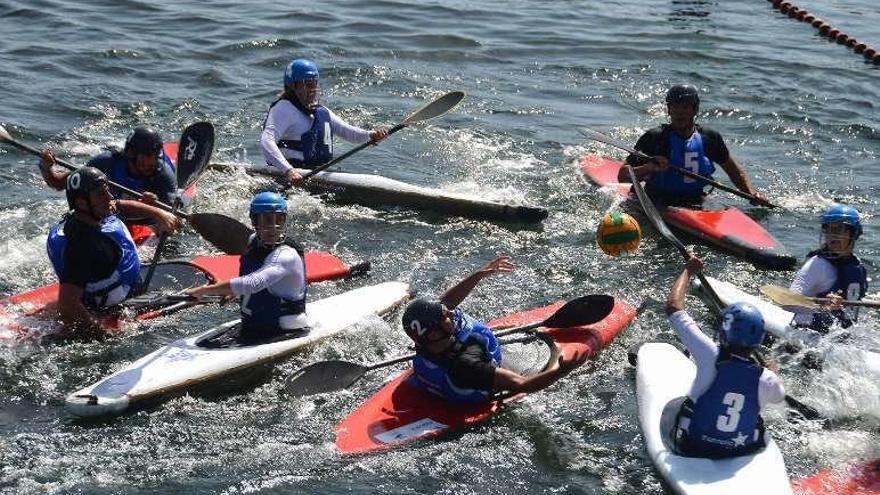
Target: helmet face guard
(841,227)
(683,94)
(270,227)
(144,141)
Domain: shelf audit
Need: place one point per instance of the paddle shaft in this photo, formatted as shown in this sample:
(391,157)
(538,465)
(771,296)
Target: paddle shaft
(598,136)
(72,167)
(350,152)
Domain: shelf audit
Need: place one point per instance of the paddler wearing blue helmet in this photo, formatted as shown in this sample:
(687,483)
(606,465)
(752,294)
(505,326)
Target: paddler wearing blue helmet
(298,132)
(272,276)
(458,356)
(721,415)
(833,271)
(93,253)
(684,144)
(141,165)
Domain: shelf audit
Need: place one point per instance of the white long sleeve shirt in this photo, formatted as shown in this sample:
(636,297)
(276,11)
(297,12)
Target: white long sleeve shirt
(704,353)
(286,122)
(282,274)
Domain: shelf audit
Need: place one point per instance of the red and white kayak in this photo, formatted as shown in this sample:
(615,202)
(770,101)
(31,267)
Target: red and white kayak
(858,479)
(729,228)
(402,412)
(33,311)
(141,234)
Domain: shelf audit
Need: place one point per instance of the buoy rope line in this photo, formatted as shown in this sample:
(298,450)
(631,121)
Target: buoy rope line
(828,30)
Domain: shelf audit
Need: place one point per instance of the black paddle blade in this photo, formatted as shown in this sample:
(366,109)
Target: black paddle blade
(194,153)
(436,108)
(225,233)
(325,376)
(581,311)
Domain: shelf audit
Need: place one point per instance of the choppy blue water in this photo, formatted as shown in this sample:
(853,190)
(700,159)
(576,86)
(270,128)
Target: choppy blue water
(798,111)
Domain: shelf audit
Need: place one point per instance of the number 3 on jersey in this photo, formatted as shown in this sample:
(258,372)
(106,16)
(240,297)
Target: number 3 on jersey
(728,422)
(691,164)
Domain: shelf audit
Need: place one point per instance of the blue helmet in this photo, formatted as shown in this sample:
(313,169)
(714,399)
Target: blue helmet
(268,202)
(742,325)
(681,93)
(300,69)
(845,214)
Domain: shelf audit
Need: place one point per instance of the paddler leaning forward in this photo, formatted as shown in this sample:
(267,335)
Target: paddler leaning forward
(298,132)
(721,415)
(458,357)
(272,279)
(92,252)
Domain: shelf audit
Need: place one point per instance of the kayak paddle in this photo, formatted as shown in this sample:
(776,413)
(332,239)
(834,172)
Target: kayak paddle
(787,297)
(429,111)
(330,376)
(193,155)
(221,231)
(604,138)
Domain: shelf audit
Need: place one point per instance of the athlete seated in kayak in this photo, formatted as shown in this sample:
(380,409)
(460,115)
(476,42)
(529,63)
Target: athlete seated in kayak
(298,132)
(92,252)
(683,144)
(833,271)
(458,357)
(720,417)
(272,276)
(141,166)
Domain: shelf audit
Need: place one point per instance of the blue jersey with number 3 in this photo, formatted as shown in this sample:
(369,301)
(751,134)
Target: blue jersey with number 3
(726,417)
(688,154)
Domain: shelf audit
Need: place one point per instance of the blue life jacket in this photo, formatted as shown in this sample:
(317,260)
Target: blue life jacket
(119,174)
(316,144)
(435,378)
(113,289)
(260,311)
(851,283)
(687,154)
(725,421)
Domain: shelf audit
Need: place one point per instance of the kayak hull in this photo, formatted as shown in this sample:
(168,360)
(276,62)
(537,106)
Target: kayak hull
(402,412)
(729,229)
(184,364)
(664,374)
(375,190)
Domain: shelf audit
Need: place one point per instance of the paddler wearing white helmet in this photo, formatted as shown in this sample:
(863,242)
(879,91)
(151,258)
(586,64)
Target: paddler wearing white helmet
(721,415)
(298,131)
(684,144)
(272,276)
(92,252)
(141,165)
(833,271)
(458,357)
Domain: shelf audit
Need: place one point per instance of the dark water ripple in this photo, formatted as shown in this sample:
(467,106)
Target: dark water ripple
(799,112)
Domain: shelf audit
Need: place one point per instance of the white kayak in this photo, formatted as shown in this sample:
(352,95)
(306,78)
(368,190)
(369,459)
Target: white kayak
(777,321)
(185,363)
(664,374)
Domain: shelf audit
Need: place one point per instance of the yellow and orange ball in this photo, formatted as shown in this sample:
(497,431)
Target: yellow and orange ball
(618,233)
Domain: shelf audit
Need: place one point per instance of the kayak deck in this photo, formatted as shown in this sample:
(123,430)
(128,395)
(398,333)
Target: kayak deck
(402,412)
(729,228)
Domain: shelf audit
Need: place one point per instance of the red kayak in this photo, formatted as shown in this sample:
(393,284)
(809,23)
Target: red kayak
(143,233)
(729,229)
(20,313)
(402,412)
(860,479)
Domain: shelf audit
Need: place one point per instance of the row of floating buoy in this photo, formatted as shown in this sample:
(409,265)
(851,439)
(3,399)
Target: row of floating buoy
(827,30)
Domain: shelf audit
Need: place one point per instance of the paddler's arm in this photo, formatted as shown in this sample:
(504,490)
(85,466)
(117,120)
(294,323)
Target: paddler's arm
(456,294)
(165,221)
(675,301)
(656,164)
(75,317)
(221,289)
(510,381)
(355,134)
(276,123)
(55,178)
(741,180)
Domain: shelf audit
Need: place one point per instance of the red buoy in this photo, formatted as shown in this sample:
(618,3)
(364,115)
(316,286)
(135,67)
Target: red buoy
(784,6)
(842,38)
(824,28)
(818,22)
(802,15)
(851,42)
(870,52)
(809,18)
(793,11)
(860,47)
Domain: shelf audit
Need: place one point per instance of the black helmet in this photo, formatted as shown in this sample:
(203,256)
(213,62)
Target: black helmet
(420,317)
(681,93)
(144,141)
(81,182)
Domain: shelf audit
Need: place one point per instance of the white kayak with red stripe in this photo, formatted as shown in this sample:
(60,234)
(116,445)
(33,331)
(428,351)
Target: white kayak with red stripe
(728,228)
(402,412)
(187,362)
(664,374)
